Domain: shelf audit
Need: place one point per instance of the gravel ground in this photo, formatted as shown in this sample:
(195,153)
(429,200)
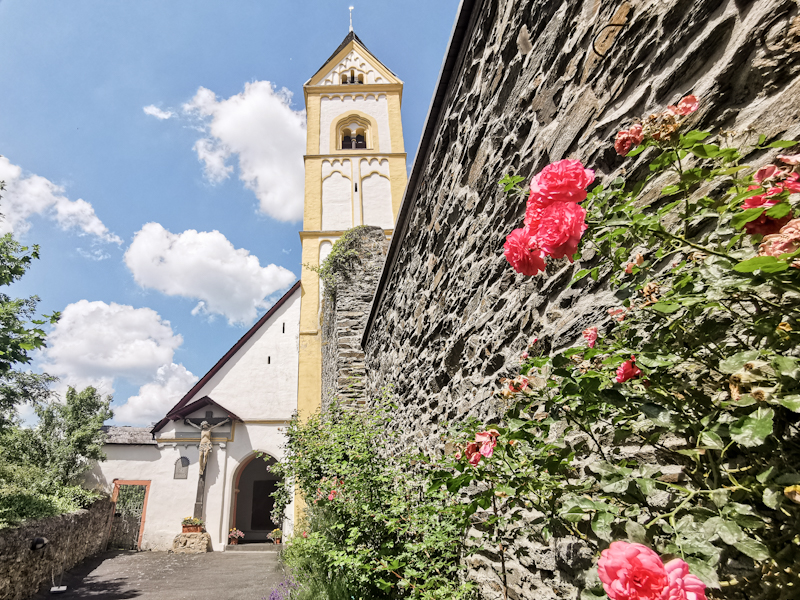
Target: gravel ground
(163,576)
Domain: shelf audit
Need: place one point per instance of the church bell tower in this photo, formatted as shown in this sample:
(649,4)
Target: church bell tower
(355,167)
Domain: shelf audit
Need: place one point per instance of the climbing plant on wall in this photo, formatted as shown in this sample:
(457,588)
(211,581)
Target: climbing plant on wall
(669,438)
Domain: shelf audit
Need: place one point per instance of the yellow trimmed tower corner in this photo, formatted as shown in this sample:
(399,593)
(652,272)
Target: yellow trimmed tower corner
(355,174)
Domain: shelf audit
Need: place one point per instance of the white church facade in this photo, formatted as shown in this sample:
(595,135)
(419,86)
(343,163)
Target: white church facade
(209,455)
(254,387)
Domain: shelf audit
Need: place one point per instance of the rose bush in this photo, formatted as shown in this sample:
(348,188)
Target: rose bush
(697,371)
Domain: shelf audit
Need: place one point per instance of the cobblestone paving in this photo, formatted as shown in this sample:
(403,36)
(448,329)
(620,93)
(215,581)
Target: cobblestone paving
(163,576)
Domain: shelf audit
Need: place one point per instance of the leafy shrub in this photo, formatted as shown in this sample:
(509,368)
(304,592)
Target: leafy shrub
(19,504)
(372,528)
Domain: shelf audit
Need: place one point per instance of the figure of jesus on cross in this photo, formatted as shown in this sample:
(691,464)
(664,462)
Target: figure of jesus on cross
(205,440)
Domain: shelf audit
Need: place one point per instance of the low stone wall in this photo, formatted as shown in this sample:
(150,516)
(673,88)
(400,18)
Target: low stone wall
(72,537)
(343,319)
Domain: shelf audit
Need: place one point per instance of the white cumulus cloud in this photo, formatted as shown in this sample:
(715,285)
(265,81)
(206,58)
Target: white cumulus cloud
(96,344)
(157,397)
(205,266)
(28,195)
(266,135)
(156,112)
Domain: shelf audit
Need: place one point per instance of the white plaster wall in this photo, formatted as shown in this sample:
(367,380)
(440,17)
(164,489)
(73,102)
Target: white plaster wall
(334,107)
(170,500)
(337,202)
(353,61)
(250,387)
(376,193)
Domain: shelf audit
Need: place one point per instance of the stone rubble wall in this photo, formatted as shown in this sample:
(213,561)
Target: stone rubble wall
(72,538)
(454,317)
(343,319)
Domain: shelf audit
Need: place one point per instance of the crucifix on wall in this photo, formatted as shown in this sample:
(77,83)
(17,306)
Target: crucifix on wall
(206,425)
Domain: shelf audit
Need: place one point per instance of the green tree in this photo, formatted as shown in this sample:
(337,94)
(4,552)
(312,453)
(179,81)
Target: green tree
(20,333)
(66,440)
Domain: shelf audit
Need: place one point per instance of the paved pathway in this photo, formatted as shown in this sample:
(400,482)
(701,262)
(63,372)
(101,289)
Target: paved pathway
(163,576)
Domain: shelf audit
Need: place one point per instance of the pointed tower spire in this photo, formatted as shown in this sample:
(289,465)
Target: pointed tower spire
(351,18)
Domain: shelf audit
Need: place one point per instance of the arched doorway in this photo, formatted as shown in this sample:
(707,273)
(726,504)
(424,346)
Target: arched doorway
(253,501)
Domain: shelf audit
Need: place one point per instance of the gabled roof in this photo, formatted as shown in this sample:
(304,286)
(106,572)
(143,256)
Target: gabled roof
(137,436)
(347,39)
(350,37)
(188,409)
(222,361)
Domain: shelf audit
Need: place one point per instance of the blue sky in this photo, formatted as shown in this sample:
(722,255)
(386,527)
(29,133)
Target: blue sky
(93,178)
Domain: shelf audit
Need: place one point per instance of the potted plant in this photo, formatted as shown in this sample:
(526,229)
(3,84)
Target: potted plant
(234,535)
(192,525)
(275,535)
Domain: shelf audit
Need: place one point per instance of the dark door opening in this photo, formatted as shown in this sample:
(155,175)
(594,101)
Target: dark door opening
(254,501)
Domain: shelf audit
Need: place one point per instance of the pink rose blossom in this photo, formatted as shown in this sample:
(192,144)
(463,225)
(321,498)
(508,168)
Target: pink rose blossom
(785,241)
(487,448)
(627,139)
(767,172)
(628,370)
(560,229)
(617,313)
(631,572)
(629,268)
(590,335)
(789,159)
(687,105)
(523,252)
(332,495)
(488,441)
(562,181)
(472,452)
(524,356)
(681,584)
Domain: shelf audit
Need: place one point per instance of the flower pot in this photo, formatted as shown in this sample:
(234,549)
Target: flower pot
(192,528)
(277,540)
(234,541)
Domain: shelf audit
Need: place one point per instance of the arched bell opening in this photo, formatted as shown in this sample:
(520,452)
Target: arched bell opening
(252,499)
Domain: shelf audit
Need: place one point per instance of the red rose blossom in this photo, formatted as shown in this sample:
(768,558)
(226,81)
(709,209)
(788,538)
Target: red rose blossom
(628,370)
(764,225)
(560,229)
(562,181)
(522,250)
